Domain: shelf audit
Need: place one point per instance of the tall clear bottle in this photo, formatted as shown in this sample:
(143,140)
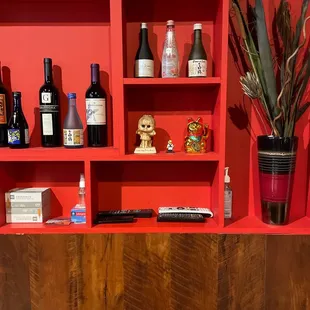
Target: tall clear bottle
(170,65)
(18,130)
(197,60)
(144,65)
(73,127)
(3,114)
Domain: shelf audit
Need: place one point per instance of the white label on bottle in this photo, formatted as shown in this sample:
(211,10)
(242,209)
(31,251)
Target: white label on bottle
(96,111)
(46,97)
(47,124)
(228,204)
(73,137)
(26,136)
(144,68)
(197,68)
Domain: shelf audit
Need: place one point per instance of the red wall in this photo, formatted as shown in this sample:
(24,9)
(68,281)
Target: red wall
(243,128)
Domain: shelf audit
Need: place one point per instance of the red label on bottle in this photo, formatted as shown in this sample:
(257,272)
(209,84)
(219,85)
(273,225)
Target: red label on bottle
(3,119)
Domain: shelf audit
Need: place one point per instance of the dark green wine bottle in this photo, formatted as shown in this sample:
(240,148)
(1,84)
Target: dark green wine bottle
(197,60)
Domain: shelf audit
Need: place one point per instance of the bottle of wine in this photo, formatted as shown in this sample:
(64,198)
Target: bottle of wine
(96,113)
(144,66)
(197,61)
(73,127)
(3,114)
(18,130)
(49,108)
(170,67)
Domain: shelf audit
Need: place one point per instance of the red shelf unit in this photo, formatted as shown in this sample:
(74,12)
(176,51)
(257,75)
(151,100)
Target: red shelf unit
(76,33)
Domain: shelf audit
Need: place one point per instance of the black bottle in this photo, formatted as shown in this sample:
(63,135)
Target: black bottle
(3,114)
(144,65)
(96,111)
(197,61)
(49,108)
(18,130)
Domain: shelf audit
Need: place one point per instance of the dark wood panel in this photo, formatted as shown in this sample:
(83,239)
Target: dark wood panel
(241,268)
(288,273)
(14,277)
(154,271)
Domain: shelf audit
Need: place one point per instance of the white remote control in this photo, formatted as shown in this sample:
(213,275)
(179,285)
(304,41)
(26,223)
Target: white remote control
(203,211)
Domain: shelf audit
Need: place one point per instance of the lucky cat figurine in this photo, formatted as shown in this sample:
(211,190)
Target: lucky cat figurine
(197,135)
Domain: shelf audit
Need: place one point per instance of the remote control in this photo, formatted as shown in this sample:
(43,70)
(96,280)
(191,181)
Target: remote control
(114,219)
(143,213)
(180,217)
(186,210)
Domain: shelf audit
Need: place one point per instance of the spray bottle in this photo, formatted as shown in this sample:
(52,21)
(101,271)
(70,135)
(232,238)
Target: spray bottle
(227,196)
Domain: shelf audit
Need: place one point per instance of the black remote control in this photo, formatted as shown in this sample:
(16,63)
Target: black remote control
(141,213)
(180,217)
(114,219)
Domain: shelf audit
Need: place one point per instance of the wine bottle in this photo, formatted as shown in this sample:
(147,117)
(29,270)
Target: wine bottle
(170,66)
(18,130)
(144,65)
(73,127)
(49,108)
(197,60)
(96,114)
(3,114)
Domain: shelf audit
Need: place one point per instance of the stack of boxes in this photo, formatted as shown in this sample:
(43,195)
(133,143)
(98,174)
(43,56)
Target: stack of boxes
(28,205)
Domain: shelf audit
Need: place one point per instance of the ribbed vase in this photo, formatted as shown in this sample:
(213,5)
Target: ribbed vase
(277,161)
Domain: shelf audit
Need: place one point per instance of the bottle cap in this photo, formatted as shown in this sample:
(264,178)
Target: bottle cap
(143,25)
(94,65)
(47,60)
(17,94)
(170,22)
(82,181)
(227,177)
(72,95)
(197,26)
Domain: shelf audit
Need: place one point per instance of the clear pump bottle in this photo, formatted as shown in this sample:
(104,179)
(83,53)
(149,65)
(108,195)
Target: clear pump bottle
(227,196)
(82,191)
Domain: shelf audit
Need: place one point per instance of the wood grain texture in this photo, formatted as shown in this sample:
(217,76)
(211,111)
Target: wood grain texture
(154,272)
(14,278)
(288,273)
(241,268)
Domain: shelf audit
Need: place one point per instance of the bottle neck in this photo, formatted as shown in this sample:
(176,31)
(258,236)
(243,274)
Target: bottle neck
(72,104)
(197,37)
(95,76)
(48,73)
(17,104)
(143,36)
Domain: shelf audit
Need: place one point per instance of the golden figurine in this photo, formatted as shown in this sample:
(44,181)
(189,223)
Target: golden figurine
(197,135)
(146,131)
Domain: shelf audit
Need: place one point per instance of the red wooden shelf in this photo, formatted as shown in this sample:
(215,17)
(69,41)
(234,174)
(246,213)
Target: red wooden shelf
(177,156)
(182,81)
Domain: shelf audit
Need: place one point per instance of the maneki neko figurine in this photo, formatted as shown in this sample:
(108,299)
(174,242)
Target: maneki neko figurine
(197,135)
(146,131)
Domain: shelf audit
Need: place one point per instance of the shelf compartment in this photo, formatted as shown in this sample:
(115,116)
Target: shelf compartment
(185,14)
(150,185)
(62,177)
(171,110)
(144,82)
(58,154)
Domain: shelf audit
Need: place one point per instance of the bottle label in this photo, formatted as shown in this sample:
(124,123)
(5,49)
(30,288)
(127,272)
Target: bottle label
(3,120)
(197,68)
(227,204)
(144,68)
(49,108)
(14,136)
(46,97)
(47,124)
(96,111)
(26,136)
(73,137)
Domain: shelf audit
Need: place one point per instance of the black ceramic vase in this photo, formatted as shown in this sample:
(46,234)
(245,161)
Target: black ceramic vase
(277,160)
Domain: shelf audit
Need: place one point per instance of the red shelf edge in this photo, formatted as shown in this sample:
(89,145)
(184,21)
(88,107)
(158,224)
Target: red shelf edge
(173,81)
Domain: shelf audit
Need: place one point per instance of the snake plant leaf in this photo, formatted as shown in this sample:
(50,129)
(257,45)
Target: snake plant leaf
(302,110)
(266,59)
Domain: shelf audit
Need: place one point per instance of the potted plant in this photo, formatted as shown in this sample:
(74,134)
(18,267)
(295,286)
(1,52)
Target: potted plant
(279,103)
